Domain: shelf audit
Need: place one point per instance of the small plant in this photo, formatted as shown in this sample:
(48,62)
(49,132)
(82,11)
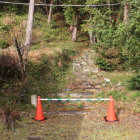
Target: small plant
(80,105)
(10,118)
(58,16)
(3,44)
(104,65)
(9,66)
(134,83)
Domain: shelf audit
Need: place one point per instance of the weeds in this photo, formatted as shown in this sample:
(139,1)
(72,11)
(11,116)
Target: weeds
(134,83)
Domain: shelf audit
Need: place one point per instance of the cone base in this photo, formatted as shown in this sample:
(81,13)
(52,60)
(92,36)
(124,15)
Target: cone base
(40,120)
(117,120)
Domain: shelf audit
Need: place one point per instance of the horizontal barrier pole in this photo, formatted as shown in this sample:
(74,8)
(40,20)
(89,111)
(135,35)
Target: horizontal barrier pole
(105,99)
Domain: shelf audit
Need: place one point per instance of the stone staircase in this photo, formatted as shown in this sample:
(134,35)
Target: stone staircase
(86,81)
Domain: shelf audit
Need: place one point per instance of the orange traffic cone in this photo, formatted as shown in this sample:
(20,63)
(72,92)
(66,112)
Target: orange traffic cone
(39,111)
(111,117)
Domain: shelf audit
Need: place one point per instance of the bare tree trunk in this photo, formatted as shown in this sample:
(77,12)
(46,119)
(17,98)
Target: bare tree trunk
(126,12)
(71,28)
(50,13)
(108,2)
(21,60)
(22,91)
(74,34)
(91,38)
(30,24)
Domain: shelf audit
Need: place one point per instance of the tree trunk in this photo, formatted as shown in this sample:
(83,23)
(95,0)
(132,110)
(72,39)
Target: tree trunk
(91,38)
(50,13)
(30,24)
(22,91)
(71,28)
(74,34)
(126,12)
(108,2)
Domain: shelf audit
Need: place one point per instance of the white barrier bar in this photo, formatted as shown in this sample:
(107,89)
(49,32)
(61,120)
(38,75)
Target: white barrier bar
(105,99)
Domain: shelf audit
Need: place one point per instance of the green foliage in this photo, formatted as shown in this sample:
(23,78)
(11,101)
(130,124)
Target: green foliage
(47,76)
(104,65)
(55,34)
(3,44)
(72,13)
(127,37)
(134,83)
(18,9)
(5,28)
(111,32)
(58,16)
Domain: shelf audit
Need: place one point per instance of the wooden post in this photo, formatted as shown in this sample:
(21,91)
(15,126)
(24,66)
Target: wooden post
(34,100)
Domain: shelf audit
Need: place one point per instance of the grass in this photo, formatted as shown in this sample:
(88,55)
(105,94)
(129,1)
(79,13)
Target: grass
(118,76)
(89,126)
(127,98)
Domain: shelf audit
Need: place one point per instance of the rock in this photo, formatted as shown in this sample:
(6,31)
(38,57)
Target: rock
(119,84)
(89,80)
(68,89)
(86,94)
(98,87)
(77,73)
(85,83)
(93,90)
(88,107)
(69,112)
(75,94)
(83,63)
(95,70)
(99,80)
(85,69)
(62,94)
(99,75)
(107,80)
(104,84)
(94,76)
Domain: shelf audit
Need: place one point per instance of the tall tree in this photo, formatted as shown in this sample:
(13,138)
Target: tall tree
(109,8)
(72,16)
(50,12)
(126,13)
(30,24)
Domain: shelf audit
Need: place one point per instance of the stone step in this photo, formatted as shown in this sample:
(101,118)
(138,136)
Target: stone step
(75,95)
(85,95)
(68,112)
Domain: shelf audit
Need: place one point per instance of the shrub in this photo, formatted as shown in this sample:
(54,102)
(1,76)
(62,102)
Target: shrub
(134,83)
(104,65)
(61,23)
(47,76)
(58,16)
(3,44)
(5,28)
(9,67)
